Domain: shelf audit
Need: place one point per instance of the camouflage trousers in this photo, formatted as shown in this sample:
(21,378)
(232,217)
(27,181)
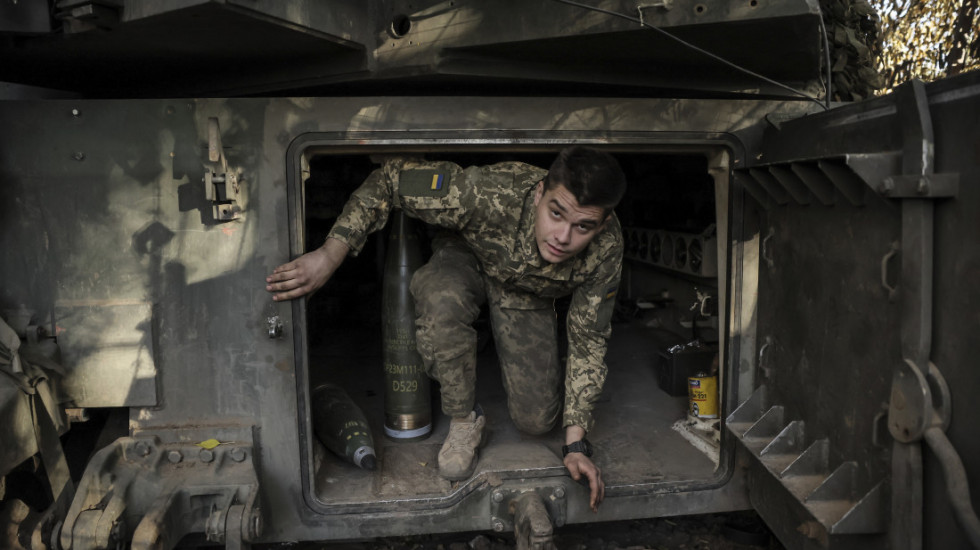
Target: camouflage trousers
(449,291)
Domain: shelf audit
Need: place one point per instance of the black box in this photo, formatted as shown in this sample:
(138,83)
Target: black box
(674,368)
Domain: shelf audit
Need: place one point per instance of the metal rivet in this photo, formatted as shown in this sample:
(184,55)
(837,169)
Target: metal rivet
(206,455)
(238,454)
(174,457)
(76,113)
(559,492)
(498,496)
(498,525)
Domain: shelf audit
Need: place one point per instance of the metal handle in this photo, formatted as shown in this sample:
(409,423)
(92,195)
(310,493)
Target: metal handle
(766,253)
(892,290)
(762,355)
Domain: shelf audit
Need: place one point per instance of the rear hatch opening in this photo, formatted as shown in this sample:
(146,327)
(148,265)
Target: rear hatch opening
(669,325)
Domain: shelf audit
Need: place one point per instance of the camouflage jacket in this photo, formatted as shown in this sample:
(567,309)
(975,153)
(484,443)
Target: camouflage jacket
(492,209)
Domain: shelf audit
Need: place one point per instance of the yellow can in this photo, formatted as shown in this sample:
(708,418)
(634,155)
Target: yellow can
(702,391)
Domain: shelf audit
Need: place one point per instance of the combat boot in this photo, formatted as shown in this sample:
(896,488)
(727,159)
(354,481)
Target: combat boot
(457,458)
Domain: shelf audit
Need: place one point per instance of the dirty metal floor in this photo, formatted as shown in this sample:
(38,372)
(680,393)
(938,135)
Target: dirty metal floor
(633,437)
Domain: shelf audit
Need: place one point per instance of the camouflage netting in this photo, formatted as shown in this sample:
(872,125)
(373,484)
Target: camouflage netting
(927,39)
(854,35)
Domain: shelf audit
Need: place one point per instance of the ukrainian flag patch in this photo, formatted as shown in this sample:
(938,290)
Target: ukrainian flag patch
(611,292)
(436,182)
(423,183)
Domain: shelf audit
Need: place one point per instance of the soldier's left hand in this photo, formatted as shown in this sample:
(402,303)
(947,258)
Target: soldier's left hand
(306,274)
(580,465)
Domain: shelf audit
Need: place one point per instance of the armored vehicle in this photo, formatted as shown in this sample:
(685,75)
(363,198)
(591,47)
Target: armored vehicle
(815,259)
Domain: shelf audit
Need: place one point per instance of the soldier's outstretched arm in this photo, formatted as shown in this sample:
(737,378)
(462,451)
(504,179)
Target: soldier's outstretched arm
(306,274)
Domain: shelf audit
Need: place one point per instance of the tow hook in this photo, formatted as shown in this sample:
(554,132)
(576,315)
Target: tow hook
(531,513)
(532,525)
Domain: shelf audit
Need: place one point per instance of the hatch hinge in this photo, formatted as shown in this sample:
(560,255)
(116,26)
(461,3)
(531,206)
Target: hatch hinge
(171,489)
(222,186)
(86,15)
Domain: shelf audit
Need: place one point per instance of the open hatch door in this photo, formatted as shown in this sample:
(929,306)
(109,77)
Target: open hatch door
(864,218)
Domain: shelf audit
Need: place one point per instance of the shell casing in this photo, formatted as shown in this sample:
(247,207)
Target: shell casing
(408,408)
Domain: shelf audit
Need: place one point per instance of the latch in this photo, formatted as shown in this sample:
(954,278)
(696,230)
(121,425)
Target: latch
(222,187)
(919,401)
(919,408)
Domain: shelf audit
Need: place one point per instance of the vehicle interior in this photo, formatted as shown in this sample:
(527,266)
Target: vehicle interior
(666,328)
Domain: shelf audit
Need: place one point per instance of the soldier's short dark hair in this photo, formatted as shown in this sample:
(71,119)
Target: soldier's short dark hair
(592,176)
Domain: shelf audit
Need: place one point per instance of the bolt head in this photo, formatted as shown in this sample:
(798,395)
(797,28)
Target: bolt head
(175,457)
(887,186)
(206,455)
(559,492)
(923,187)
(142,448)
(238,454)
(76,112)
(498,525)
(498,496)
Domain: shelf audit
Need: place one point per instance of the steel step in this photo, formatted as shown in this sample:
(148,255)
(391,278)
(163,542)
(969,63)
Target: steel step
(828,496)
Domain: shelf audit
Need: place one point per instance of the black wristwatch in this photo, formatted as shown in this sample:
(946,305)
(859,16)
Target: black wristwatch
(581,446)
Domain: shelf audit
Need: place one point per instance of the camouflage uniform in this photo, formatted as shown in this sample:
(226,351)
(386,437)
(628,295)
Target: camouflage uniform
(493,256)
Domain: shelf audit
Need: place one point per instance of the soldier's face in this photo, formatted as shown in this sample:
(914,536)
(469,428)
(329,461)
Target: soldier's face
(562,227)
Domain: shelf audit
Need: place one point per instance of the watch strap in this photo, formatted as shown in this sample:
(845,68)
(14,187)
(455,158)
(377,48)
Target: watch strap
(580,446)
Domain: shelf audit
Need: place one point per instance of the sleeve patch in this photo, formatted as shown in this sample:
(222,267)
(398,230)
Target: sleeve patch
(611,292)
(423,183)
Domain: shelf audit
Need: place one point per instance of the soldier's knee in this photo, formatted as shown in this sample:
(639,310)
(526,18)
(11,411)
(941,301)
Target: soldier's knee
(419,285)
(534,424)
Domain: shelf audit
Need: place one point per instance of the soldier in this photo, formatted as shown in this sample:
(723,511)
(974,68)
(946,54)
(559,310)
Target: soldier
(520,237)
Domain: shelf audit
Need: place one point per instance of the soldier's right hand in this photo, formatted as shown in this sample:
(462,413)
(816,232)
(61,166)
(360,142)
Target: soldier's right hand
(306,274)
